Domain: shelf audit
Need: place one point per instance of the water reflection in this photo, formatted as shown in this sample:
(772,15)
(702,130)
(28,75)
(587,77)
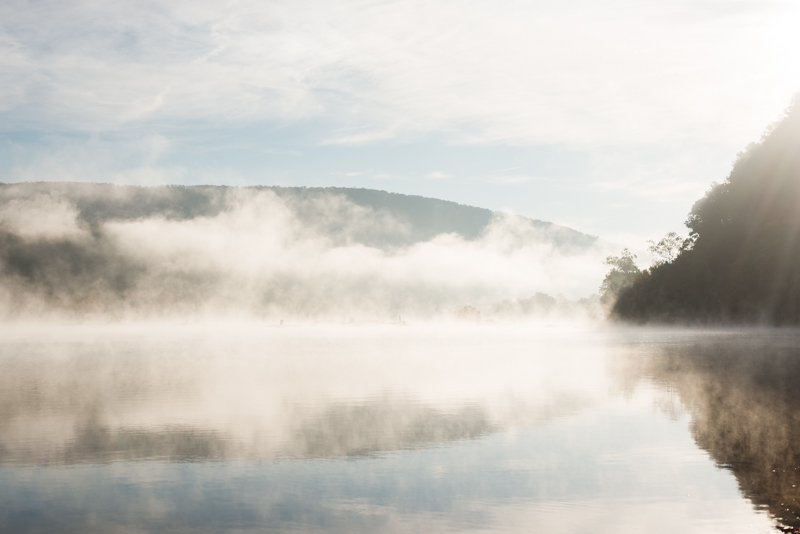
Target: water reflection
(397,429)
(743,391)
(341,430)
(266,394)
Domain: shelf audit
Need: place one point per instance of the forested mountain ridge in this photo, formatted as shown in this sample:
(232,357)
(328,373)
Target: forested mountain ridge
(419,218)
(109,251)
(741,263)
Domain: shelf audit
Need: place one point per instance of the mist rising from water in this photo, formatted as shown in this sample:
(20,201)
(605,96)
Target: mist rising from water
(260,255)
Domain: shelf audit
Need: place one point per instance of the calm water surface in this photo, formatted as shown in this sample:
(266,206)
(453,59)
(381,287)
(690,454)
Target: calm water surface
(398,429)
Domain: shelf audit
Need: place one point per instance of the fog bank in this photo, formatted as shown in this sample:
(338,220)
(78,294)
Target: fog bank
(260,252)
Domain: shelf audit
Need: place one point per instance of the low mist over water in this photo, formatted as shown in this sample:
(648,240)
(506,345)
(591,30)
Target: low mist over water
(397,429)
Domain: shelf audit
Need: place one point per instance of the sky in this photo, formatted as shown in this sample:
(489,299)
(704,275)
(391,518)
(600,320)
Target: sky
(609,117)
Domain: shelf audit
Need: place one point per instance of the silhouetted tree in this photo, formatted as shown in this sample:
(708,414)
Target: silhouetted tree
(667,249)
(622,274)
(740,263)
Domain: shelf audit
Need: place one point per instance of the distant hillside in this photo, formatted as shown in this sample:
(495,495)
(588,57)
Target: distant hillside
(419,218)
(114,251)
(742,264)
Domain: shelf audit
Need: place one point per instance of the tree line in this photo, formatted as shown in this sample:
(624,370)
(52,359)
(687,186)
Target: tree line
(741,261)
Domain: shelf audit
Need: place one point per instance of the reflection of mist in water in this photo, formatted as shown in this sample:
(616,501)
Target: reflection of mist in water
(367,430)
(273,392)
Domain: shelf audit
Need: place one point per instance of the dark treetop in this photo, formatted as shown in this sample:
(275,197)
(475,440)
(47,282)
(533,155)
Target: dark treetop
(740,264)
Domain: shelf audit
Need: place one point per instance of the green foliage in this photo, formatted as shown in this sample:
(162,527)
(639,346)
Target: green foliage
(740,263)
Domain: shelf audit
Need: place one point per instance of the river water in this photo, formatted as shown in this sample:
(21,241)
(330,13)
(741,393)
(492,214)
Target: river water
(471,428)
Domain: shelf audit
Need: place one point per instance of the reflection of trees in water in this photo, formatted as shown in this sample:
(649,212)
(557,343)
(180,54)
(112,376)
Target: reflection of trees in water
(96,403)
(97,443)
(744,396)
(364,428)
(79,401)
(341,430)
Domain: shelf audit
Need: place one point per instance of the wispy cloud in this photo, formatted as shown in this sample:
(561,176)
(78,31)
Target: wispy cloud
(517,179)
(650,188)
(437,175)
(282,152)
(548,72)
(640,99)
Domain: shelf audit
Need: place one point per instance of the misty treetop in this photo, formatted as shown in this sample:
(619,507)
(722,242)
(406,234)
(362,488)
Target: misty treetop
(668,248)
(741,263)
(622,274)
